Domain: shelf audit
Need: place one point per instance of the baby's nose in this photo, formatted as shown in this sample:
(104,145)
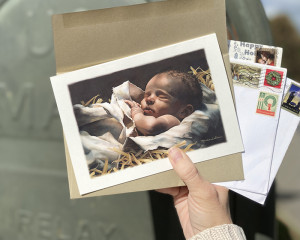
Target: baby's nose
(150,100)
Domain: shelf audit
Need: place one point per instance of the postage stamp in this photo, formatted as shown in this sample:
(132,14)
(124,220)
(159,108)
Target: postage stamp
(245,75)
(273,78)
(267,56)
(291,100)
(267,103)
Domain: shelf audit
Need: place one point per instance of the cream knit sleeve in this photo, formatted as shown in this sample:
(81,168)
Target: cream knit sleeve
(224,232)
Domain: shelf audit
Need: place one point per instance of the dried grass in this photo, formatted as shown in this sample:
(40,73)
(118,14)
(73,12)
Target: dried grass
(93,100)
(203,76)
(131,159)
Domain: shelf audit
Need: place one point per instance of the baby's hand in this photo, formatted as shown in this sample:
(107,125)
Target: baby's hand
(135,107)
(136,93)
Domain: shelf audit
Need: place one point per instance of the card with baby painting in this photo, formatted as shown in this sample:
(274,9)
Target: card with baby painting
(120,118)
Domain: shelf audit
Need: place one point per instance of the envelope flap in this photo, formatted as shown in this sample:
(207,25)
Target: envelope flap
(88,38)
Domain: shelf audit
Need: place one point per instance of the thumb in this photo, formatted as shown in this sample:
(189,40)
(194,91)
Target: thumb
(129,103)
(186,170)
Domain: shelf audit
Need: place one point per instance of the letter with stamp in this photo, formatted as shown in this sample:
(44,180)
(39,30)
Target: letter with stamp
(291,100)
(267,104)
(257,76)
(255,53)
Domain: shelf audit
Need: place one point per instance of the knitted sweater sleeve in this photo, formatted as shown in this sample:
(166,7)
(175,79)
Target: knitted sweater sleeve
(224,232)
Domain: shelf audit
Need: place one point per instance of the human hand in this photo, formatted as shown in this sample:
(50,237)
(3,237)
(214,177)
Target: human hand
(136,93)
(199,204)
(135,107)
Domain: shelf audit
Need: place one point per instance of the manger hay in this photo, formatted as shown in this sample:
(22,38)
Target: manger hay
(203,76)
(131,158)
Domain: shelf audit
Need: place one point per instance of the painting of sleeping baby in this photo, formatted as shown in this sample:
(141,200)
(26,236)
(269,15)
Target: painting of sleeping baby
(143,112)
(169,97)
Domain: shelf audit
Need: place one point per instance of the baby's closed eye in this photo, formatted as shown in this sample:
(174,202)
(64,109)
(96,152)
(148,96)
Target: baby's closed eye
(162,96)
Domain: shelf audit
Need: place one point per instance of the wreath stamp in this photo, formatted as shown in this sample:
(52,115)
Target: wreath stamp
(267,103)
(273,78)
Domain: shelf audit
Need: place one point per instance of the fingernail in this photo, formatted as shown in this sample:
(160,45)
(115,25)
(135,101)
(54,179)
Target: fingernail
(175,154)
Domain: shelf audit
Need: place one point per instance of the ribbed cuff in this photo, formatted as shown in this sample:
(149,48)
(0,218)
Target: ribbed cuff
(224,232)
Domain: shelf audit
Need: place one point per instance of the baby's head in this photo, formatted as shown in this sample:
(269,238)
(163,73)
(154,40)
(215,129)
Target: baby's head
(172,92)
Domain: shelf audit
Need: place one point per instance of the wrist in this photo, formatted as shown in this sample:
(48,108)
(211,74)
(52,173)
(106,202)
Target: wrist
(137,115)
(225,231)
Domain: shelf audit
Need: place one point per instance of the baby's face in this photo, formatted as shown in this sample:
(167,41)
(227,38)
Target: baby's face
(159,97)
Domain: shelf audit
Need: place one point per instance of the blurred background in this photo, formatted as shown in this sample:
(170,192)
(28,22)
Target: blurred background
(284,17)
(34,194)
(284,21)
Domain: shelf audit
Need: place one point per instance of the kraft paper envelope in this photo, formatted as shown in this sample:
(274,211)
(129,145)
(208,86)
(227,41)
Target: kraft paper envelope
(88,38)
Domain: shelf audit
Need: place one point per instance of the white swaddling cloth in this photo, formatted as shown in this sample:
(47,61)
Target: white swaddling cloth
(109,125)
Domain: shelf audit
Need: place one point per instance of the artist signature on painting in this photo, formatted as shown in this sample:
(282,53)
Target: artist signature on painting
(211,139)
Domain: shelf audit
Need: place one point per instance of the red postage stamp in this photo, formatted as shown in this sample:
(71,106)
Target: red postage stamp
(273,78)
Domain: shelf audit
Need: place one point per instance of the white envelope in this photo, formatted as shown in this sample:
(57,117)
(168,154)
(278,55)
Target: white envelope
(258,126)
(288,123)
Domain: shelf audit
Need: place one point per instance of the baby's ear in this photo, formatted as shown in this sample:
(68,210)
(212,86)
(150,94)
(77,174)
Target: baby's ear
(186,111)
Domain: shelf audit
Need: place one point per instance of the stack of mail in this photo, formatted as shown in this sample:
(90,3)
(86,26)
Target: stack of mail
(267,105)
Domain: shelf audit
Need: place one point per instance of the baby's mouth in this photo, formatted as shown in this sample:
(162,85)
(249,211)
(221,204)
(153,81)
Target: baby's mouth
(148,111)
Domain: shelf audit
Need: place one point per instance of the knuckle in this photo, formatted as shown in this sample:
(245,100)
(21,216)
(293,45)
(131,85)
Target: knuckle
(189,174)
